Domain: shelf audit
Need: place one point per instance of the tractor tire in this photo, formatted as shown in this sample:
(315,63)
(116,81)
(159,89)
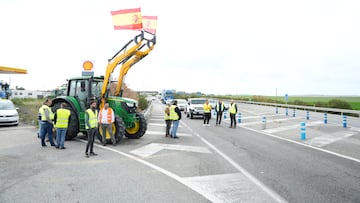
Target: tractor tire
(73,127)
(138,130)
(118,129)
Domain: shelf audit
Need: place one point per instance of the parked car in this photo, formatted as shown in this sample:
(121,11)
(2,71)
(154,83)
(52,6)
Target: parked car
(195,107)
(8,113)
(181,104)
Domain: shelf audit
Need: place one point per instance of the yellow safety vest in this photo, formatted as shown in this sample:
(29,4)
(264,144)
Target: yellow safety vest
(92,119)
(207,108)
(173,114)
(62,118)
(167,116)
(220,108)
(42,112)
(232,108)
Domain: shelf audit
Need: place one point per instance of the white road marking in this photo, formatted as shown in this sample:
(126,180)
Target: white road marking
(148,132)
(153,148)
(303,144)
(249,176)
(289,127)
(269,121)
(329,138)
(228,188)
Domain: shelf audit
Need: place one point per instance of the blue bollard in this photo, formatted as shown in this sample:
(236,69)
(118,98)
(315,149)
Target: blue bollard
(286,111)
(224,114)
(303,131)
(344,121)
(276,110)
(325,118)
(294,113)
(263,120)
(239,117)
(214,112)
(307,115)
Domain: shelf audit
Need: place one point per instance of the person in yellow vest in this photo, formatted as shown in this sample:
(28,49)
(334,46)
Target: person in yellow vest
(61,120)
(219,108)
(167,120)
(91,125)
(106,119)
(175,116)
(233,110)
(207,113)
(46,123)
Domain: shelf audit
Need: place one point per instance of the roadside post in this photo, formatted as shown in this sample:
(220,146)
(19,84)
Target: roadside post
(344,121)
(276,110)
(286,111)
(239,117)
(263,120)
(302,131)
(307,115)
(294,113)
(325,118)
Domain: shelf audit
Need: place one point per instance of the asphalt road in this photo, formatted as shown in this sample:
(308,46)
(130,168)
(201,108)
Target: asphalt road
(256,162)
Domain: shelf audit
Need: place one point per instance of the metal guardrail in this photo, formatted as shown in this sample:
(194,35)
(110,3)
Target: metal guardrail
(310,108)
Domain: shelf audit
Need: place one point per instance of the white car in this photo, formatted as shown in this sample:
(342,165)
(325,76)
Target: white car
(181,104)
(8,113)
(195,107)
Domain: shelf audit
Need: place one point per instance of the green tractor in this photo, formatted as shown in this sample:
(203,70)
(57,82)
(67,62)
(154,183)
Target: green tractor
(81,90)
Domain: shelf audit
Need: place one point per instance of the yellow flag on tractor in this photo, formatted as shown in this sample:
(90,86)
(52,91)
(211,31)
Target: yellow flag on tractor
(127,19)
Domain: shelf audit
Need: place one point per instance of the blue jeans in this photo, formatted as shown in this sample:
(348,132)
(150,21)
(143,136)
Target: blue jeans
(60,136)
(46,128)
(175,125)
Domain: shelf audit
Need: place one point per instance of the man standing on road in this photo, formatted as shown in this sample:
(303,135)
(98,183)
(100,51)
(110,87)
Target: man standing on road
(167,120)
(47,117)
(207,113)
(106,119)
(219,108)
(175,116)
(61,120)
(233,110)
(91,125)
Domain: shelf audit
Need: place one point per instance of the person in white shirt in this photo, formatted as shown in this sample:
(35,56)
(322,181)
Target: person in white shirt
(106,119)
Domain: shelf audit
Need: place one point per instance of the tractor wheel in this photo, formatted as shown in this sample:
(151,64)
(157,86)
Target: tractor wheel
(139,128)
(73,127)
(118,129)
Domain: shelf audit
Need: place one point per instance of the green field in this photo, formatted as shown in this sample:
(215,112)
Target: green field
(353,101)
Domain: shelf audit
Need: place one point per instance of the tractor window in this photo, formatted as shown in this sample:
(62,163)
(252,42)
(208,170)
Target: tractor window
(72,88)
(81,92)
(96,88)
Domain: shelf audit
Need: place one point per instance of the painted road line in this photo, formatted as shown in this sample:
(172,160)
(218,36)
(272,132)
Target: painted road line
(229,188)
(268,121)
(276,197)
(303,144)
(156,119)
(289,127)
(153,148)
(162,133)
(160,124)
(327,139)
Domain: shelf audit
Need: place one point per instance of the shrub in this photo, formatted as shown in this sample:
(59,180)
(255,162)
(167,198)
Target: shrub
(339,104)
(143,103)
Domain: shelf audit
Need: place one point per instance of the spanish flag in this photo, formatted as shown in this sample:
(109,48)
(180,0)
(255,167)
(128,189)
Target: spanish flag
(150,23)
(127,19)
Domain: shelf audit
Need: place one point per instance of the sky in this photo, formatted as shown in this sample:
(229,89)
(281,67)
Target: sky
(257,47)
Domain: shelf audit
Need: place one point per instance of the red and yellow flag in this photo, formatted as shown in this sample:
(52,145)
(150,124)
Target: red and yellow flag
(127,19)
(150,23)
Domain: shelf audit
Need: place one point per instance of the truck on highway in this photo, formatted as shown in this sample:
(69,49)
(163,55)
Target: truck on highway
(167,95)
